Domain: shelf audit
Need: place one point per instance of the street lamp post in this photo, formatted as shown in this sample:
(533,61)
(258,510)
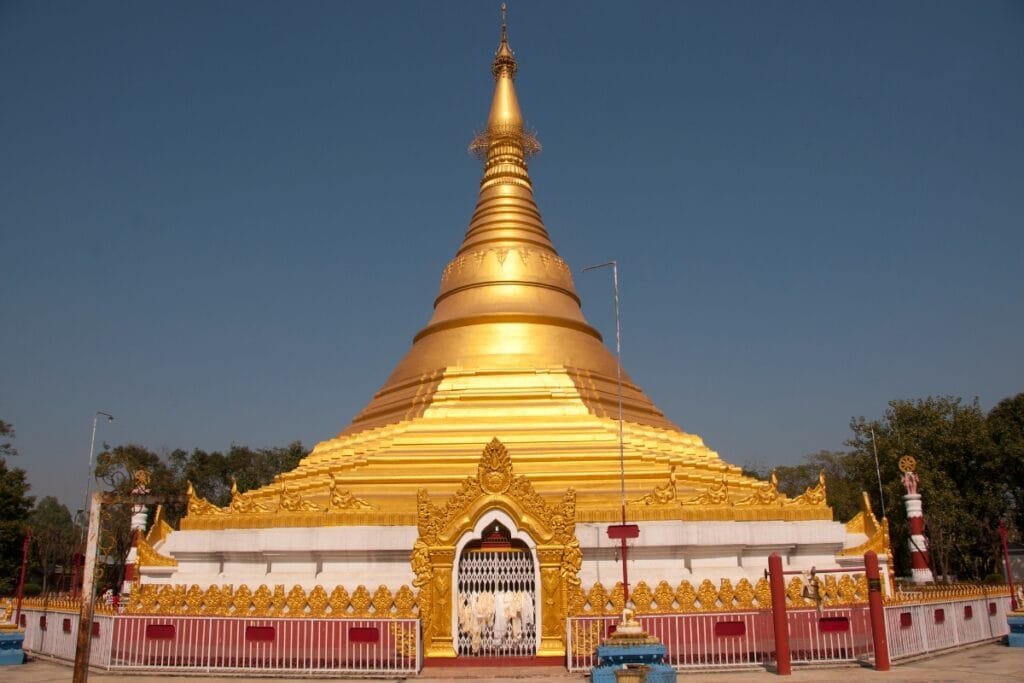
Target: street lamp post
(88,489)
(621,531)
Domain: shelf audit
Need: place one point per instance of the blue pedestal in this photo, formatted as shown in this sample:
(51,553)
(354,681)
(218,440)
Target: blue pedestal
(1016,638)
(614,657)
(10,647)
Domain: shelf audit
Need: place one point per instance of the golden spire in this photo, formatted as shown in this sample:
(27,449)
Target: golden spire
(507,345)
(508,354)
(506,119)
(504,58)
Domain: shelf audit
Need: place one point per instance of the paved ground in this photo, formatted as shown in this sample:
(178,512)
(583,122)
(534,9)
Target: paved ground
(990,663)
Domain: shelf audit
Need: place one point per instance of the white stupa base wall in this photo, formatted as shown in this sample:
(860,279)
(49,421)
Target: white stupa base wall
(374,556)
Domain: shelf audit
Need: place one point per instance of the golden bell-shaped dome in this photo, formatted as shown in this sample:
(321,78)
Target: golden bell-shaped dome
(508,354)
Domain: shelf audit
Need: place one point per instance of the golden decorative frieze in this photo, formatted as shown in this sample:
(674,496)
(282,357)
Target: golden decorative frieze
(767,495)
(227,601)
(664,494)
(495,483)
(744,595)
(813,495)
(717,494)
(147,557)
(293,501)
(244,503)
(198,506)
(342,499)
(766,503)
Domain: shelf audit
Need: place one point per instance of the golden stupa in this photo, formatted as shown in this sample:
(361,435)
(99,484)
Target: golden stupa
(507,355)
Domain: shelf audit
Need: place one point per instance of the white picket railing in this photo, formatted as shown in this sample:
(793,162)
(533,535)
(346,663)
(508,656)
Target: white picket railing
(56,634)
(719,640)
(914,629)
(369,647)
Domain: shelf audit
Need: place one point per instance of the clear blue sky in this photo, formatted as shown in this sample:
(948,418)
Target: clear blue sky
(224,221)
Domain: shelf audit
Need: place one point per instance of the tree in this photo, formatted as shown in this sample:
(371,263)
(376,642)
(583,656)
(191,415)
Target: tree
(1006,427)
(15,504)
(53,538)
(116,469)
(7,449)
(960,479)
(211,473)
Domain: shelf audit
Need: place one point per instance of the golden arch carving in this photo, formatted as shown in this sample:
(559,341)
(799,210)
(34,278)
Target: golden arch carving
(551,524)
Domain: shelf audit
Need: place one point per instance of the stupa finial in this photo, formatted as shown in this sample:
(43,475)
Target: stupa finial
(506,119)
(504,58)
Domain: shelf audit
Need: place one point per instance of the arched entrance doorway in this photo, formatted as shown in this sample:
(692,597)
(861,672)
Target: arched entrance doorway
(446,548)
(496,596)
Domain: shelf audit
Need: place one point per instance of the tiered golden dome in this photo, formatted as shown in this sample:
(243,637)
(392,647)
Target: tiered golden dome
(508,354)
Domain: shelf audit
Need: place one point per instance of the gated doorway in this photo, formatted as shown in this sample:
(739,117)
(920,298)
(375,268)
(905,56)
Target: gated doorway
(496,596)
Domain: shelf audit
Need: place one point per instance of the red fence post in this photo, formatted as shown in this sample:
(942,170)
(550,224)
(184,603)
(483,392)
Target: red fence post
(877,611)
(1009,567)
(778,586)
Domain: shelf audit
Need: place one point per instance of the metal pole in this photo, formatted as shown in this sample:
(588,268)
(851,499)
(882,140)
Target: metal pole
(89,473)
(622,451)
(21,581)
(878,471)
(81,670)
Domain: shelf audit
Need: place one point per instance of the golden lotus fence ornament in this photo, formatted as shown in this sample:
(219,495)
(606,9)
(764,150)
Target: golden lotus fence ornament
(243,602)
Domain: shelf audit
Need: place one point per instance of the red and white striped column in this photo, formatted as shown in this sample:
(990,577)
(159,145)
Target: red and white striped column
(918,542)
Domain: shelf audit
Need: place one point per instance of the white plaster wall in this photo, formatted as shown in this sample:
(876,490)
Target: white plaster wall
(329,556)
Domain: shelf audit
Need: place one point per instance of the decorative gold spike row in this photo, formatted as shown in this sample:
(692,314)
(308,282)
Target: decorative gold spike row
(766,503)
(227,601)
(950,591)
(664,599)
(290,520)
(288,501)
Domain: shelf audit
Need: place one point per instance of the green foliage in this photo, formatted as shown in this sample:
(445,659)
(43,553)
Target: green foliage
(209,472)
(843,491)
(7,449)
(15,504)
(1006,427)
(54,536)
(961,479)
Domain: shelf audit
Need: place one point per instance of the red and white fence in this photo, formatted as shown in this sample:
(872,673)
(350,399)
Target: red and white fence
(915,629)
(56,634)
(376,647)
(832,635)
(721,640)
(368,647)
(742,640)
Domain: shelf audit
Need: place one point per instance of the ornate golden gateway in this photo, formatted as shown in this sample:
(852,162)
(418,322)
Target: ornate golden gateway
(551,525)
